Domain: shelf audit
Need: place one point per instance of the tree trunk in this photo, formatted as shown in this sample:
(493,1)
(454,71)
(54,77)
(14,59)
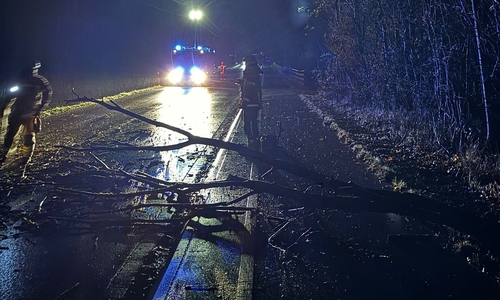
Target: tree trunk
(483,89)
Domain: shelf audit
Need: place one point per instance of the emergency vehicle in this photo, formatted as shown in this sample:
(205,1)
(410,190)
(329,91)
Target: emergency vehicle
(190,66)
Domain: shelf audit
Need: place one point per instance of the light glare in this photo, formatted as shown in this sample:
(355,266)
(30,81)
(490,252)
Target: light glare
(197,75)
(195,15)
(175,76)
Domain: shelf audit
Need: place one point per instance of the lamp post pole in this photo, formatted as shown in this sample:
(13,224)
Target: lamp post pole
(195,15)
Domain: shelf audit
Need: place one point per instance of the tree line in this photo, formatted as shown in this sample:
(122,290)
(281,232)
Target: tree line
(436,59)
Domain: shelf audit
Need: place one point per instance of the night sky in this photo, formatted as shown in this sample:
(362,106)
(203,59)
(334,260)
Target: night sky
(120,36)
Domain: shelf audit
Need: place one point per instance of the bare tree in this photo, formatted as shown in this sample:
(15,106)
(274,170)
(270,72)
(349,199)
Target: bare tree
(481,72)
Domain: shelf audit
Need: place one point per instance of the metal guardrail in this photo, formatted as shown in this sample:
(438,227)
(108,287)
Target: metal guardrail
(302,79)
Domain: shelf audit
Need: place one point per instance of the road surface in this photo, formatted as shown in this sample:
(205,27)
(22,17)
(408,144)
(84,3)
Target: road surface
(75,261)
(67,230)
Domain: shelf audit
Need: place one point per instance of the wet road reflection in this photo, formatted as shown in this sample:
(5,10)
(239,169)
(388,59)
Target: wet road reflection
(189,109)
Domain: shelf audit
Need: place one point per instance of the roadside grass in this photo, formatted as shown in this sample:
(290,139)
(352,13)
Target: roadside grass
(389,141)
(401,150)
(77,105)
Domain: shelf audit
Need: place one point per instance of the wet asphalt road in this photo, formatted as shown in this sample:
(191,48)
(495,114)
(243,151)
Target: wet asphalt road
(64,264)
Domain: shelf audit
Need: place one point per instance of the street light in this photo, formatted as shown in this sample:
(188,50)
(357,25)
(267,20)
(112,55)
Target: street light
(195,15)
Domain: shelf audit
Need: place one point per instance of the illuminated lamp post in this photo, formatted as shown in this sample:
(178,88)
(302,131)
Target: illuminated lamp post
(195,15)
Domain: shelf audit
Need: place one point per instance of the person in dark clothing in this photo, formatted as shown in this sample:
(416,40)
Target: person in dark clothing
(33,93)
(251,99)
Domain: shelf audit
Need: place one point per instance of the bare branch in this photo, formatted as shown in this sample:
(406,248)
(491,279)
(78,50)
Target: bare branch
(290,167)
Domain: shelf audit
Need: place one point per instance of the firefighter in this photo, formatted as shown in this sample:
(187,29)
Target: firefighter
(251,100)
(222,70)
(33,93)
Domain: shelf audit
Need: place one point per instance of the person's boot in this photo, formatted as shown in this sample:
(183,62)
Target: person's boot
(3,155)
(27,152)
(258,144)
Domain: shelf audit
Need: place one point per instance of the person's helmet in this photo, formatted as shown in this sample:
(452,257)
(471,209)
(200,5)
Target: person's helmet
(36,65)
(250,59)
(28,70)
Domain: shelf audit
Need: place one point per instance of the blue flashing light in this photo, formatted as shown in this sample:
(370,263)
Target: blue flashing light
(199,48)
(194,70)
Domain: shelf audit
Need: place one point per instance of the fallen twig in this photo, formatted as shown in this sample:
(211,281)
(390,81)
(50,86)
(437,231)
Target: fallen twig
(296,241)
(269,240)
(192,139)
(63,294)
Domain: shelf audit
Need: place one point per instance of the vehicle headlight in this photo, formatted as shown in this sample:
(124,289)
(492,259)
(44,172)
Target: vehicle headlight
(175,76)
(197,75)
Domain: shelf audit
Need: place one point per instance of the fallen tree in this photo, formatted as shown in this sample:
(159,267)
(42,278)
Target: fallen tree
(343,196)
